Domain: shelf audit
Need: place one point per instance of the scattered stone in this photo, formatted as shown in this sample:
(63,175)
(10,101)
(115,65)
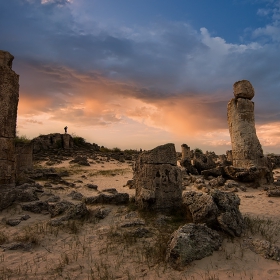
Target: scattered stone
(17,246)
(191,242)
(92,186)
(132,223)
(13,222)
(60,207)
(111,190)
(70,212)
(103,198)
(274,192)
(53,198)
(215,172)
(264,248)
(48,185)
(231,184)
(203,162)
(217,182)
(199,183)
(76,196)
(25,217)
(80,160)
(130,184)
(139,232)
(202,207)
(102,213)
(35,207)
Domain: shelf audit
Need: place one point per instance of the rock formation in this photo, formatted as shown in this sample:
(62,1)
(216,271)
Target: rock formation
(191,242)
(246,148)
(157,179)
(217,209)
(24,157)
(52,141)
(186,152)
(9,95)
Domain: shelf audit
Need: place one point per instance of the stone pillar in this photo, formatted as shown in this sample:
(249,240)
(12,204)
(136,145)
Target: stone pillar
(158,180)
(67,141)
(9,95)
(229,155)
(246,148)
(186,152)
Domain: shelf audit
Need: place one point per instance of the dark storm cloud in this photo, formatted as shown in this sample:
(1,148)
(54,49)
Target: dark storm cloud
(162,62)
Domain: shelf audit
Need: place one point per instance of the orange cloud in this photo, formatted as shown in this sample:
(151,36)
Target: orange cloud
(90,100)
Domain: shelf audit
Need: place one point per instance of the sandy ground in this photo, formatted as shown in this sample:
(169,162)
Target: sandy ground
(103,249)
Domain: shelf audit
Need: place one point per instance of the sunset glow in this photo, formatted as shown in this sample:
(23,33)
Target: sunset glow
(123,80)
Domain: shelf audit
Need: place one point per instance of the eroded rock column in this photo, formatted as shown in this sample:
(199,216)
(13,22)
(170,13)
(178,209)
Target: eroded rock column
(9,95)
(158,180)
(246,147)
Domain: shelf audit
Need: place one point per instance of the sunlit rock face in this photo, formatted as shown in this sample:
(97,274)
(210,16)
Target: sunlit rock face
(9,95)
(158,179)
(246,148)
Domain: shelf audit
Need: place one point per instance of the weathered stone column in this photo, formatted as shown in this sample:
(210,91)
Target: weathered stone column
(9,95)
(246,147)
(186,152)
(158,180)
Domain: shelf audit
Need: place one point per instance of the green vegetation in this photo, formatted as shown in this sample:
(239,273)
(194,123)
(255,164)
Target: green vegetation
(107,150)
(78,140)
(22,139)
(271,154)
(198,150)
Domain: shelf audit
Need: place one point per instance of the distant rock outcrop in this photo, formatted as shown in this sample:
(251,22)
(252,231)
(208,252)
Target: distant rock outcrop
(157,179)
(52,141)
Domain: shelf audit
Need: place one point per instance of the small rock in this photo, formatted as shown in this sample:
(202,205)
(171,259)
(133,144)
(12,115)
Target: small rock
(92,186)
(13,222)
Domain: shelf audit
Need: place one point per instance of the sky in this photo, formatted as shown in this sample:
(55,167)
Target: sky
(141,73)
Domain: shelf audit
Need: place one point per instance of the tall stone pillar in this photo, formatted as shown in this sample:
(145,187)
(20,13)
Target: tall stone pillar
(246,147)
(9,95)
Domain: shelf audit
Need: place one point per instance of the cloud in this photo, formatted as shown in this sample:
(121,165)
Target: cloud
(166,75)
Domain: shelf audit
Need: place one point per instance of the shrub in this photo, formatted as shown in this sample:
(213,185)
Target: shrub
(78,140)
(22,139)
(198,150)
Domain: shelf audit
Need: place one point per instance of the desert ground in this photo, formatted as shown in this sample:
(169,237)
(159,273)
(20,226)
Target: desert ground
(120,242)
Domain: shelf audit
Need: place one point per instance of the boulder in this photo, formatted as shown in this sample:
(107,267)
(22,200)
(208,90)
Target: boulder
(264,248)
(217,209)
(243,89)
(202,207)
(80,160)
(191,242)
(217,182)
(35,207)
(108,198)
(190,169)
(214,172)
(203,162)
(229,219)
